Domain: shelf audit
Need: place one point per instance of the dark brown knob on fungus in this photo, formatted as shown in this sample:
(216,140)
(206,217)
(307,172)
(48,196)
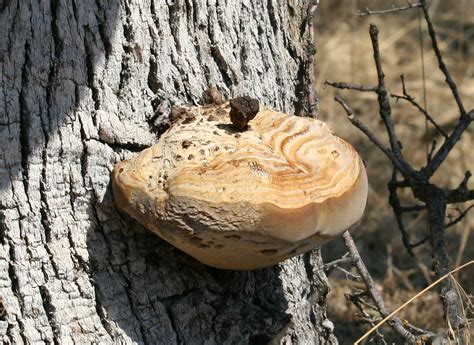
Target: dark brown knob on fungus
(243,110)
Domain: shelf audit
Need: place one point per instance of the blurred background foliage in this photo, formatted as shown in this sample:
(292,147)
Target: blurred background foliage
(344,53)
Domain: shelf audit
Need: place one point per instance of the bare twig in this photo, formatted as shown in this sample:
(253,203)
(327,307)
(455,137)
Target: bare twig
(414,208)
(385,109)
(452,197)
(371,136)
(407,97)
(397,210)
(356,298)
(344,259)
(461,193)
(460,217)
(420,242)
(431,151)
(350,86)
(349,274)
(373,292)
(367,12)
(448,144)
(439,57)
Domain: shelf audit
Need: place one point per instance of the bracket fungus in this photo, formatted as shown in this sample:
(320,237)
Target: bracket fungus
(244,199)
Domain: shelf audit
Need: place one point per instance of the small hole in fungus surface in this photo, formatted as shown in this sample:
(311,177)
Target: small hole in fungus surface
(185,144)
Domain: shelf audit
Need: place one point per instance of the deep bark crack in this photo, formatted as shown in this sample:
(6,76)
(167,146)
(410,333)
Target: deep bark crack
(49,310)
(88,38)
(25,123)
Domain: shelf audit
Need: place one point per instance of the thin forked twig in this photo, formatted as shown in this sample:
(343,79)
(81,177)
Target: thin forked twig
(442,66)
(373,292)
(407,97)
(368,12)
(344,259)
(440,155)
(460,217)
(371,136)
(350,86)
(461,193)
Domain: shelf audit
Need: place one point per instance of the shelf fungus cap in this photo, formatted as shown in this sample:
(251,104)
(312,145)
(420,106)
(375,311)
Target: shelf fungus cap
(244,200)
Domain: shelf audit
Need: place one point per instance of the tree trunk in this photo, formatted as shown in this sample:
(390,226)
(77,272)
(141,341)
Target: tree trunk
(85,84)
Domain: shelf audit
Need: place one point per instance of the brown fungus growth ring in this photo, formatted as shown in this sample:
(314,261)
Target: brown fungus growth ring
(282,187)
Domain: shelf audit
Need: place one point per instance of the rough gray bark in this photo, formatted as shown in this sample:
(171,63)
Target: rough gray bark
(85,84)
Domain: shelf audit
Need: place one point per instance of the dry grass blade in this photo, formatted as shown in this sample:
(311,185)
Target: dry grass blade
(373,329)
(467,305)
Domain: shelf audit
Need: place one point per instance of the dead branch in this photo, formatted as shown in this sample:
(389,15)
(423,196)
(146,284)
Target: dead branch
(431,151)
(394,201)
(442,66)
(373,292)
(369,134)
(460,217)
(344,259)
(368,12)
(440,156)
(385,109)
(407,97)
(461,193)
(350,86)
(434,198)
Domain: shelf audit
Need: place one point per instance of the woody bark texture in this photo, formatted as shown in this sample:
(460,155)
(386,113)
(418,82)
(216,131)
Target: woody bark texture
(86,84)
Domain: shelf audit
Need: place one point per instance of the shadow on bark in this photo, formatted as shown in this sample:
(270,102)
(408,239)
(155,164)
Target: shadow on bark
(157,294)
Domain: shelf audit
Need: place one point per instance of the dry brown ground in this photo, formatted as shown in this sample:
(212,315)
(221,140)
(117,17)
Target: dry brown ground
(344,54)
